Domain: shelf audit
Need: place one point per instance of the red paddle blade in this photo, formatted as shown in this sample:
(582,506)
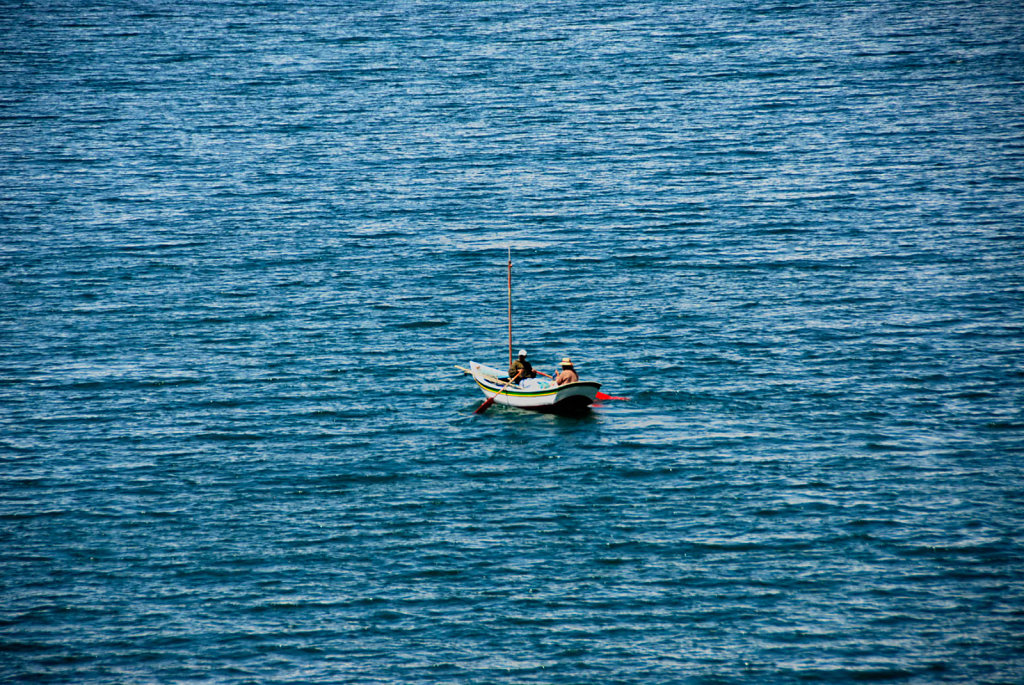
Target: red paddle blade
(483,406)
(602,396)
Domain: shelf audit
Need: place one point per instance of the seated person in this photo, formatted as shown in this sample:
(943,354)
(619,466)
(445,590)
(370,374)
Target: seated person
(568,373)
(522,367)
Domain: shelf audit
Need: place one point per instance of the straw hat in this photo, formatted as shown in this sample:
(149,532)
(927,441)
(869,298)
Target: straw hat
(566,362)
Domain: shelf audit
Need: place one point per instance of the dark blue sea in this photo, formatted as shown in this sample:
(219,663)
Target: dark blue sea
(244,246)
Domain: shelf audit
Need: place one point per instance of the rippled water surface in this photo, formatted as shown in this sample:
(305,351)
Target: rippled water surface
(243,247)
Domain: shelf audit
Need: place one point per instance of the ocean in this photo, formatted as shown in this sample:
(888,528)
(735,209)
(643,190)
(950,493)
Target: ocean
(244,246)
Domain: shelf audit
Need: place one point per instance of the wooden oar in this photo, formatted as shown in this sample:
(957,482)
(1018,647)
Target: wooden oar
(490,400)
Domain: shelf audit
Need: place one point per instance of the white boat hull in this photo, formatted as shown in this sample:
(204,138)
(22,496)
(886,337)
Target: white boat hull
(548,397)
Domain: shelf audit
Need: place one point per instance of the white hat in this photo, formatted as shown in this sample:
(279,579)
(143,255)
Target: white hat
(522,353)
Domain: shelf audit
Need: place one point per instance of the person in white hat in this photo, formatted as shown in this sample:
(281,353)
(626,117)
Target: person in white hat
(568,373)
(522,367)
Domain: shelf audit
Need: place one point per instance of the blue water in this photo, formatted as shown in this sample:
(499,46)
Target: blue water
(243,246)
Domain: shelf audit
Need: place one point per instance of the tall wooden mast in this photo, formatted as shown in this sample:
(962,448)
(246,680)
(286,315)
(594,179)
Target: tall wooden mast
(510,306)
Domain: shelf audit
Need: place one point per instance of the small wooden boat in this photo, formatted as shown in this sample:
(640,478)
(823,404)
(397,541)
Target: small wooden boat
(535,394)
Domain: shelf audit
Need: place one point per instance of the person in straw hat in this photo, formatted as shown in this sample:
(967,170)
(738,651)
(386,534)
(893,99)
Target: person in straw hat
(568,374)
